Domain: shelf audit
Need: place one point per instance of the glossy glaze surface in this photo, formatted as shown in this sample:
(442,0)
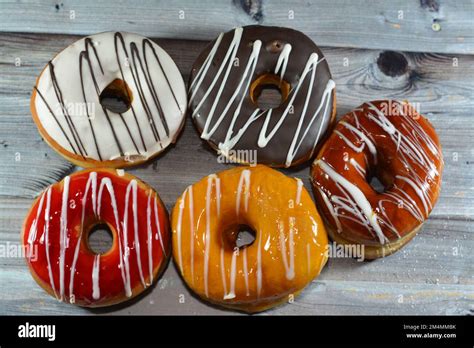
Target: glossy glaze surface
(223,108)
(70,111)
(57,226)
(389,140)
(289,246)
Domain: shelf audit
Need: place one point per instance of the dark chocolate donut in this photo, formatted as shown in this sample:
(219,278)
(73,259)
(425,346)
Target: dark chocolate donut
(228,77)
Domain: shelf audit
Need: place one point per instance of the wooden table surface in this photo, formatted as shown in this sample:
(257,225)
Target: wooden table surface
(421,51)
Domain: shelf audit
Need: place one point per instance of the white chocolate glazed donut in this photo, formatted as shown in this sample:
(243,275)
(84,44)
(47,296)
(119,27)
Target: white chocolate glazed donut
(67,104)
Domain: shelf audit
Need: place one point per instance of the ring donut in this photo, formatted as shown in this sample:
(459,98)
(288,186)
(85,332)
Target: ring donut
(110,100)
(391,141)
(228,77)
(56,229)
(289,249)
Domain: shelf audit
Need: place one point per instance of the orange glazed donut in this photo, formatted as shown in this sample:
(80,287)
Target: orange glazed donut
(290,243)
(56,230)
(393,142)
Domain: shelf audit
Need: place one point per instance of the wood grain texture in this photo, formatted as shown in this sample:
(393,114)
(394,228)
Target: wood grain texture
(396,24)
(444,93)
(431,275)
(434,274)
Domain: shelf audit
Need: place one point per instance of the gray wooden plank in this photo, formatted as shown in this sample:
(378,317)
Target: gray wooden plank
(444,92)
(432,275)
(423,26)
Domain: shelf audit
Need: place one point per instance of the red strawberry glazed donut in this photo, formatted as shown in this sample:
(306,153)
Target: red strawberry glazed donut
(57,227)
(393,142)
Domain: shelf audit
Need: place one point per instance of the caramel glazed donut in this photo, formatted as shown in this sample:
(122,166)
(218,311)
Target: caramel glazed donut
(393,142)
(110,100)
(290,243)
(228,77)
(56,230)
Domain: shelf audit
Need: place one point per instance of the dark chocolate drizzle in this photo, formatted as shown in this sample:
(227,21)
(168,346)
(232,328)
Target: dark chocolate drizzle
(122,42)
(70,123)
(81,56)
(55,118)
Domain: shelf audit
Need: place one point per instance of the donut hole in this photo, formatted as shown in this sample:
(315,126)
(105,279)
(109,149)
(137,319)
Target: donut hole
(269,91)
(245,237)
(377,185)
(382,180)
(100,238)
(239,236)
(116,97)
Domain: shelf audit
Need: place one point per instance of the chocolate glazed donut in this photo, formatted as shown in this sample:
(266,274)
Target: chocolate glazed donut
(228,77)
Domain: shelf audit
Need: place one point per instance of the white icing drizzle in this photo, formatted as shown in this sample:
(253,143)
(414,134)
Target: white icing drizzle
(419,191)
(149,238)
(132,187)
(96,199)
(222,268)
(231,53)
(91,181)
(33,229)
(95,278)
(179,230)
(124,264)
(63,237)
(196,83)
(232,137)
(299,188)
(244,180)
(361,204)
(216,180)
(364,139)
(283,60)
(349,143)
(289,264)
(245,272)
(191,229)
(358,167)
(179,227)
(124,256)
(229,268)
(325,101)
(331,209)
(157,222)
(233,274)
(230,141)
(259,266)
(47,217)
(410,149)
